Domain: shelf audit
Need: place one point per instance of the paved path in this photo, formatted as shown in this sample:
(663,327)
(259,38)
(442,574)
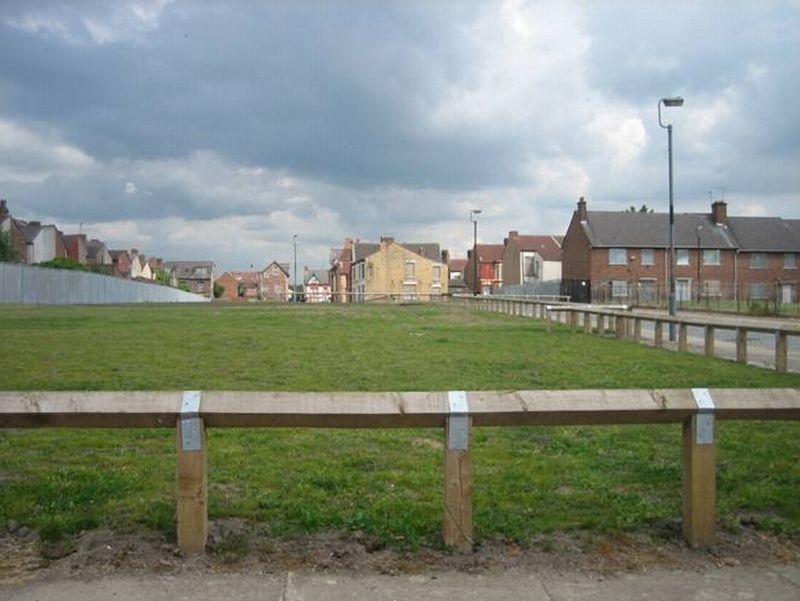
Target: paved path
(773,583)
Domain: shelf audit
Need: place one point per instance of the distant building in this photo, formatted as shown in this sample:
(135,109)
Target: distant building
(198,276)
(490,268)
(316,285)
(622,256)
(531,259)
(339,273)
(275,282)
(406,271)
(76,247)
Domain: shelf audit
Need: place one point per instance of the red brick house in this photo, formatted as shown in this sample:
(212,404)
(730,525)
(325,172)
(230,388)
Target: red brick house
(490,268)
(624,257)
(275,282)
(76,247)
(339,273)
(240,285)
(120,263)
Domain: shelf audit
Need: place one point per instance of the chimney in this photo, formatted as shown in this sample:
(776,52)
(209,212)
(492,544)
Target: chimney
(582,209)
(513,234)
(445,257)
(35,223)
(3,208)
(719,212)
(386,239)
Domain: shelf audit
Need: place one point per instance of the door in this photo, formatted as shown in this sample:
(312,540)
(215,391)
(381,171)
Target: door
(683,290)
(787,293)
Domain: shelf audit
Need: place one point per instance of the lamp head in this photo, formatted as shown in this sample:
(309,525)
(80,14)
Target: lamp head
(676,101)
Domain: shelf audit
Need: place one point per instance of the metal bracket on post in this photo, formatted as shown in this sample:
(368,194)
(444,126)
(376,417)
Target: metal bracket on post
(191,439)
(705,416)
(458,439)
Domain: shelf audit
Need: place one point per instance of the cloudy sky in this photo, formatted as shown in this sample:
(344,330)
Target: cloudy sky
(218,129)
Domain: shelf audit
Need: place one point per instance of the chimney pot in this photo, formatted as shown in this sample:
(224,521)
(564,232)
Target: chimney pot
(719,212)
(582,209)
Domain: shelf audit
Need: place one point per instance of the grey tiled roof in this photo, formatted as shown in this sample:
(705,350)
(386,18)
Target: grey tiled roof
(651,230)
(429,250)
(769,234)
(362,250)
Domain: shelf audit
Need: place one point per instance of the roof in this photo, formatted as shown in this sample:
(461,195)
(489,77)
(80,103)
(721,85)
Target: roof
(457,264)
(651,230)
(116,254)
(769,234)
(490,253)
(243,277)
(549,247)
(29,231)
(429,250)
(361,250)
(185,269)
(282,266)
(94,247)
(322,275)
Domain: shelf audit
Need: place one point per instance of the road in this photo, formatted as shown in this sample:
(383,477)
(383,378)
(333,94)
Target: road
(772,582)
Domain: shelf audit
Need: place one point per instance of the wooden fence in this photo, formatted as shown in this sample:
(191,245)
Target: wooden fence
(457,412)
(628,324)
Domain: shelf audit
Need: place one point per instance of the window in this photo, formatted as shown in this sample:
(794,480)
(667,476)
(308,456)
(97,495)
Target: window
(617,256)
(711,257)
(648,256)
(758,291)
(758,261)
(682,256)
(437,273)
(201,271)
(790,261)
(409,292)
(411,271)
(619,288)
(530,267)
(711,288)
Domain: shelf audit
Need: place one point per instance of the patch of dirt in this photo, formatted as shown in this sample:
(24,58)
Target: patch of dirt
(239,546)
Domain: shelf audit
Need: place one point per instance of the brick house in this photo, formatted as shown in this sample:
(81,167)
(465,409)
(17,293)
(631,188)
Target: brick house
(339,272)
(120,263)
(76,247)
(97,255)
(198,276)
(240,285)
(490,268)
(531,259)
(12,227)
(389,269)
(275,282)
(456,267)
(624,257)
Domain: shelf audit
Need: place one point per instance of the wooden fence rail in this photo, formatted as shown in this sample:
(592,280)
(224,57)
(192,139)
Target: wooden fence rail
(628,325)
(191,412)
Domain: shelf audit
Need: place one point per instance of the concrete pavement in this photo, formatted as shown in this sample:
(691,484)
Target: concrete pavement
(770,582)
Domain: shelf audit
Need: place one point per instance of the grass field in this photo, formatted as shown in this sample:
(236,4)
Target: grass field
(385,483)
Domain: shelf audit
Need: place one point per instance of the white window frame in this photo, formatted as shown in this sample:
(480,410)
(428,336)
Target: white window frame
(758,295)
(759,261)
(682,257)
(712,256)
(620,289)
(790,260)
(651,253)
(617,256)
(412,278)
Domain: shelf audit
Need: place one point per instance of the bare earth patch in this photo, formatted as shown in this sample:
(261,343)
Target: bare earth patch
(237,546)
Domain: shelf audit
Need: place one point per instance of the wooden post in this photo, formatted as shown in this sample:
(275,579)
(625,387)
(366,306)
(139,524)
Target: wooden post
(709,341)
(741,345)
(457,528)
(587,322)
(683,338)
(619,322)
(601,324)
(658,333)
(699,485)
(573,319)
(781,351)
(192,485)
(637,329)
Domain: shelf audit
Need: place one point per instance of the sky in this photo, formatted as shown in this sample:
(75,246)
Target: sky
(217,130)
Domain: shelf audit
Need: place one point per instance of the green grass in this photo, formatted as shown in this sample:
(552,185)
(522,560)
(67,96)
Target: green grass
(385,483)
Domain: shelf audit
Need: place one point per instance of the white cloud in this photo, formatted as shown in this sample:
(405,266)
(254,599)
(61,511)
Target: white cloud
(85,22)
(130,188)
(28,155)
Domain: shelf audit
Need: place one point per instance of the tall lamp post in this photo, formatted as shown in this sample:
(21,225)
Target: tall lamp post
(676,101)
(473,217)
(698,230)
(294,272)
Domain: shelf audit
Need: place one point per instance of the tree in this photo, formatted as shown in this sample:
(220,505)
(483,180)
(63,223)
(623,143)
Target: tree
(642,209)
(219,290)
(63,263)
(163,277)
(7,252)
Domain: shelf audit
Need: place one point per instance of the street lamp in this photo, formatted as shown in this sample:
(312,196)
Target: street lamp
(473,217)
(677,101)
(294,271)
(698,230)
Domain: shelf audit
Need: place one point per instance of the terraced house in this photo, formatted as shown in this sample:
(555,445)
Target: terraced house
(621,256)
(392,270)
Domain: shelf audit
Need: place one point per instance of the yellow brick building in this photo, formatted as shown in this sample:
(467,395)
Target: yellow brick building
(398,271)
